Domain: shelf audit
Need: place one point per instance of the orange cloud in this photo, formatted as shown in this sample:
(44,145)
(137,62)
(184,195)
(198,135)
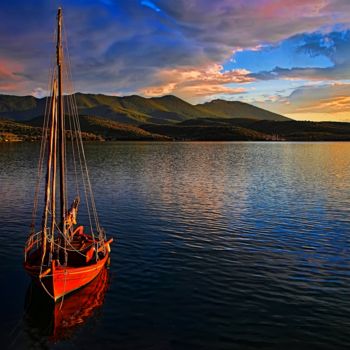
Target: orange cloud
(191,83)
(313,102)
(333,104)
(286,7)
(210,90)
(9,77)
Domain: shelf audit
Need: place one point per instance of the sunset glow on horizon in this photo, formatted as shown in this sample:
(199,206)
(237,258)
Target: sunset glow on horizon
(288,56)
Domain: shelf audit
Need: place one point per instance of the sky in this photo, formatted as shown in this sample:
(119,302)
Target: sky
(288,56)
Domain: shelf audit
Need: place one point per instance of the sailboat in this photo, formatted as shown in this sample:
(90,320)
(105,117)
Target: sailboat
(60,255)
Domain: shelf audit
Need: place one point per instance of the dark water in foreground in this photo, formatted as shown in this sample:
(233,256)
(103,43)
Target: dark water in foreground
(219,246)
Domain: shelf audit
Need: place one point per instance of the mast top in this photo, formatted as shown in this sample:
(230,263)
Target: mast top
(59,39)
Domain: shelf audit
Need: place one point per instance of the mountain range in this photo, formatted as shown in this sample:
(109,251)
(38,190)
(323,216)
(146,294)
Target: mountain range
(168,117)
(136,109)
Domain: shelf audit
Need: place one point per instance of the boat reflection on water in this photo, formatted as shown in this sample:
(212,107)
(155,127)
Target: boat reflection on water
(58,321)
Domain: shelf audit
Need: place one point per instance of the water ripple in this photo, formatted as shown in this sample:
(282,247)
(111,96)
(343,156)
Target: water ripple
(219,245)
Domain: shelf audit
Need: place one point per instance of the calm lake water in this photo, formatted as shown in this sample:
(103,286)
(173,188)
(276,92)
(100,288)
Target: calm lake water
(219,246)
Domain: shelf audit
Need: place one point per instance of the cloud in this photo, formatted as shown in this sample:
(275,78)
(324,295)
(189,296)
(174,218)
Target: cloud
(39,92)
(190,83)
(151,5)
(339,72)
(133,46)
(317,98)
(334,45)
(245,24)
(331,105)
(313,102)
(191,92)
(10,76)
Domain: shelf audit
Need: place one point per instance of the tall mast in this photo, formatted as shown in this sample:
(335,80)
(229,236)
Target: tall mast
(54,166)
(61,131)
(49,184)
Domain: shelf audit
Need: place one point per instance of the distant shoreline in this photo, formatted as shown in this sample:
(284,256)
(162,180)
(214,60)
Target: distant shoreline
(4,142)
(166,118)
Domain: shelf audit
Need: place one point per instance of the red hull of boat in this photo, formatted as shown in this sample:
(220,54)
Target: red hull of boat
(64,280)
(79,306)
(59,321)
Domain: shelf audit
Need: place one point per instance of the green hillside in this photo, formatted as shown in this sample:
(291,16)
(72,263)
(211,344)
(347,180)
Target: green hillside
(290,130)
(111,130)
(236,109)
(104,129)
(200,129)
(16,131)
(21,107)
(136,110)
(207,133)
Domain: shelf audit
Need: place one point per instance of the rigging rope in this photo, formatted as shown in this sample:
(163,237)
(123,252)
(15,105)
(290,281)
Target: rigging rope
(78,138)
(43,142)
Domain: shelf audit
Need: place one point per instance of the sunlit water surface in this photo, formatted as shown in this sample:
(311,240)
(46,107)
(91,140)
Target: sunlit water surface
(219,246)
